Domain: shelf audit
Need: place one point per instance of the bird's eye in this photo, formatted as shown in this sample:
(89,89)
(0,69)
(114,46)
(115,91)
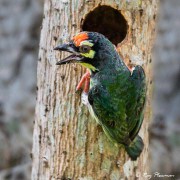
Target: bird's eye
(84,49)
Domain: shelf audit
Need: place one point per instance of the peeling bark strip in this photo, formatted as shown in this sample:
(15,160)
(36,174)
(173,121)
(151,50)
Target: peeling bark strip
(67,143)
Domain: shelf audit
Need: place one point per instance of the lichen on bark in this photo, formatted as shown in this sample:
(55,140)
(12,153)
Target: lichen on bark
(79,149)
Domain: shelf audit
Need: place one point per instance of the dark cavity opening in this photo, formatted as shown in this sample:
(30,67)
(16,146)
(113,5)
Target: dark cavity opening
(107,21)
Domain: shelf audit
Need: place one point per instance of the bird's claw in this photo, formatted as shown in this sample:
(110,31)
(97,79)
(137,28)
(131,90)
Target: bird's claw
(85,80)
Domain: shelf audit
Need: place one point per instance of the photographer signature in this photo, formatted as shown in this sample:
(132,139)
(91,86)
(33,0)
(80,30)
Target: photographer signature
(155,175)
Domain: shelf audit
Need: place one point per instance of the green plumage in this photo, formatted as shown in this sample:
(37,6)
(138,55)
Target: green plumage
(117,96)
(117,99)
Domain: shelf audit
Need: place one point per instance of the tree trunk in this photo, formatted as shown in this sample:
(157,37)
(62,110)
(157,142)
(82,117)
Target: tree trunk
(67,142)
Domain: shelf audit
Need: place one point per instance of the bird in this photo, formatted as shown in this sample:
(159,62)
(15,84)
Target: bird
(116,95)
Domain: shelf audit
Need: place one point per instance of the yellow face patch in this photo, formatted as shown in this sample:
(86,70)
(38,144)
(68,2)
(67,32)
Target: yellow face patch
(90,54)
(86,43)
(89,66)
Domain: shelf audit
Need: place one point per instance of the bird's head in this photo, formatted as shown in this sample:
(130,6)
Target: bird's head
(87,49)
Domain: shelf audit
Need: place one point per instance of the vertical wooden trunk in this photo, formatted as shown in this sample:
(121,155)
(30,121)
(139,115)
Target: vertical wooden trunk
(67,142)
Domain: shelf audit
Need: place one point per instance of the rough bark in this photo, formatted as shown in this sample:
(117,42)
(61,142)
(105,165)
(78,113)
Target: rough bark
(67,142)
(165,128)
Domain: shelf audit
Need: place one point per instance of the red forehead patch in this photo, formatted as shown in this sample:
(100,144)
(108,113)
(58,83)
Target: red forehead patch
(79,38)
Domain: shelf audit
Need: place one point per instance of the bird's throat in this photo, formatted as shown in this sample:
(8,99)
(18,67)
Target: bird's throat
(89,66)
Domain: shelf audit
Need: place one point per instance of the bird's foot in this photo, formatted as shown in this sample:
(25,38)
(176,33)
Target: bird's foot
(85,80)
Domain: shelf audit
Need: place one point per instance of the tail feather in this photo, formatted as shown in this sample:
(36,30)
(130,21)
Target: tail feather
(135,148)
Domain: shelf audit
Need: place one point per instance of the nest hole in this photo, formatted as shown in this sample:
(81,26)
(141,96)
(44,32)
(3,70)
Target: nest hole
(107,21)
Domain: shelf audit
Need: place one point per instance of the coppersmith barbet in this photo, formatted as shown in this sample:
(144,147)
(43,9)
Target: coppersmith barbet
(116,95)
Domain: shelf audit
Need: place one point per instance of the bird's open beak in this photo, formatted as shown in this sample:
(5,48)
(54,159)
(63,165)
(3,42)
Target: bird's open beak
(74,57)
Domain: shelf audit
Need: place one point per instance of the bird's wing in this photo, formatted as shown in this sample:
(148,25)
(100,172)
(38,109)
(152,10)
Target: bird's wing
(109,113)
(136,117)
